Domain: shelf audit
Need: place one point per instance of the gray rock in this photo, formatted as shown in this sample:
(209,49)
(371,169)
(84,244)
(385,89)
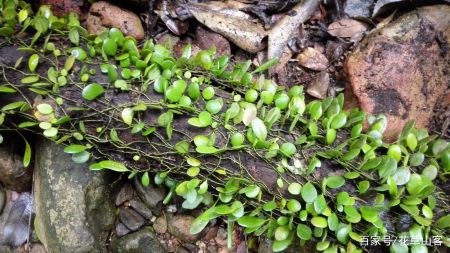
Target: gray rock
(121,229)
(13,175)
(131,219)
(143,241)
(151,195)
(16,229)
(141,208)
(180,225)
(126,193)
(5,249)
(74,211)
(358,8)
(38,248)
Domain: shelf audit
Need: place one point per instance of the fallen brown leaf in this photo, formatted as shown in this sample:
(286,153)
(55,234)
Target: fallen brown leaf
(346,28)
(313,59)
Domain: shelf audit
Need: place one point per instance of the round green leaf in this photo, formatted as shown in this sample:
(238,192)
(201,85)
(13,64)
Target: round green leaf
(338,120)
(293,205)
(127,116)
(309,192)
(319,222)
(214,106)
(109,47)
(92,91)
(81,157)
(294,188)
(44,108)
(334,182)
(395,152)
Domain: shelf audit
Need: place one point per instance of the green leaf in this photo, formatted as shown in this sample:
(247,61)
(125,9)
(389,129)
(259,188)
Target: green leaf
(113,165)
(251,191)
(44,108)
(145,179)
(443,222)
(268,64)
(294,188)
(288,149)
(182,147)
(74,36)
(339,120)
(334,182)
(369,214)
(30,79)
(14,105)
(74,148)
(127,116)
(270,206)
(27,155)
(33,62)
(411,141)
(282,233)
(397,247)
(5,89)
(51,132)
(352,214)
(304,232)
(250,221)
(214,106)
(259,129)
(293,205)
(81,157)
(207,150)
(92,91)
(109,47)
(309,192)
(319,222)
(198,225)
(395,152)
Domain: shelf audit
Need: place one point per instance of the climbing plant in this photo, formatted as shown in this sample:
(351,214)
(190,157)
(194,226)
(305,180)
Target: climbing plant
(221,136)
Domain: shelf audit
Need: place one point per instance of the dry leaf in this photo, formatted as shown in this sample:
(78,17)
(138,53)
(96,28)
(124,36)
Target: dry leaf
(312,59)
(281,33)
(319,87)
(239,27)
(346,28)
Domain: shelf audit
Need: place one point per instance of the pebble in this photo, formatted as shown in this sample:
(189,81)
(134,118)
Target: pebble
(151,196)
(141,208)
(131,219)
(121,229)
(126,193)
(180,225)
(160,224)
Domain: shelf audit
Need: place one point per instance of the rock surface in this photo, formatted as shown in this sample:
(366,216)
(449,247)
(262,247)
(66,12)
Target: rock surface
(2,199)
(143,241)
(206,39)
(402,69)
(131,219)
(12,173)
(151,196)
(74,211)
(61,7)
(180,225)
(15,231)
(103,15)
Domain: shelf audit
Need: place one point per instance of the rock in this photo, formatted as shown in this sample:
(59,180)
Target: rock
(401,69)
(38,248)
(2,199)
(313,59)
(5,249)
(318,87)
(160,224)
(143,241)
(61,7)
(179,226)
(131,219)
(126,193)
(74,210)
(103,15)
(13,175)
(265,246)
(16,230)
(141,208)
(206,39)
(358,8)
(151,195)
(181,250)
(121,229)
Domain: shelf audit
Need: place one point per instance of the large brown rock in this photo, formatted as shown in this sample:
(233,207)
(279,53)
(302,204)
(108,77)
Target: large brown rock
(13,175)
(104,15)
(402,69)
